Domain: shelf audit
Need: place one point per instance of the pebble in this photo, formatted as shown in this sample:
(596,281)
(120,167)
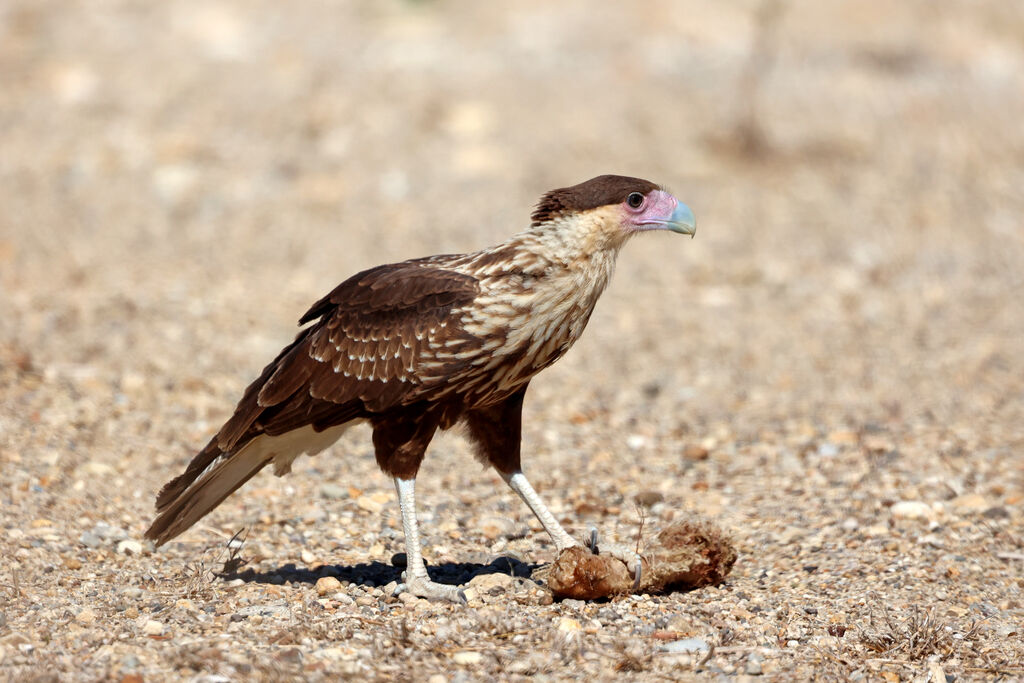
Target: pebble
(970,503)
(754,662)
(327,585)
(828,450)
(696,451)
(491,584)
(686,645)
(333,491)
(496,527)
(153,628)
(636,441)
(569,625)
(90,540)
(911,509)
(369,504)
(86,616)
(467,657)
(129,547)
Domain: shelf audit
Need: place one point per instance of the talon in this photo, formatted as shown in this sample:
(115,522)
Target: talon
(592,541)
(639,573)
(431,590)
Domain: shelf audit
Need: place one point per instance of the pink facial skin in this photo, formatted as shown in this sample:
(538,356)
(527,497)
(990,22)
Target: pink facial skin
(659,211)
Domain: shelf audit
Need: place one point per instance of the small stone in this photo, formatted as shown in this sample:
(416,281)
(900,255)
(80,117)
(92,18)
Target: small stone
(327,585)
(333,491)
(129,547)
(686,645)
(491,584)
(569,625)
(467,657)
(754,662)
(970,503)
(369,504)
(153,628)
(437,678)
(86,616)
(695,451)
(291,655)
(97,468)
(996,512)
(307,557)
(90,540)
(636,441)
(496,527)
(828,450)
(911,509)
(407,598)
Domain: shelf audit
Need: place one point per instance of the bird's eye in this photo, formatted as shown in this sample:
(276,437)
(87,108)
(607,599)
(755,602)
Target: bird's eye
(635,200)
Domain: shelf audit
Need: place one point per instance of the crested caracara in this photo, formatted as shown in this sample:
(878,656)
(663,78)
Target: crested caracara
(425,344)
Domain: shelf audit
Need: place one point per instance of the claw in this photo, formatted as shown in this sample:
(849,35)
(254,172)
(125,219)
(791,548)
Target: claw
(431,590)
(619,552)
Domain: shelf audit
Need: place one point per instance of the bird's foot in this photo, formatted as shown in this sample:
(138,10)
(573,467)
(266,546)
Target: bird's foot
(628,556)
(431,590)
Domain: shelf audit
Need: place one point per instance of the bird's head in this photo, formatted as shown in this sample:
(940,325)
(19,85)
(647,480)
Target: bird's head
(609,209)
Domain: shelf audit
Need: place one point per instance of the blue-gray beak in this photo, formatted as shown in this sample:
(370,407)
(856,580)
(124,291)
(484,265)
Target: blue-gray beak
(682,220)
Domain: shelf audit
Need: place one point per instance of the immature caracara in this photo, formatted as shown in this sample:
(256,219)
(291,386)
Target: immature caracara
(421,345)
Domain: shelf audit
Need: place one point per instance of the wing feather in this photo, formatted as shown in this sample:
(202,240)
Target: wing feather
(344,362)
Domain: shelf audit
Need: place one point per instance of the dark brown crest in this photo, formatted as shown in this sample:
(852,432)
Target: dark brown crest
(599,191)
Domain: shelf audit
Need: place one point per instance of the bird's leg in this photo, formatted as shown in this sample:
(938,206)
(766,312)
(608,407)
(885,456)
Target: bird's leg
(518,482)
(415,578)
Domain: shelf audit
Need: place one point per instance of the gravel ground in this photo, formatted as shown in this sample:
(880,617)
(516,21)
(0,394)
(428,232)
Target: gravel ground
(832,371)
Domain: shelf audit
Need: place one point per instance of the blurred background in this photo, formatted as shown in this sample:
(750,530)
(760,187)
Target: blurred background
(180,179)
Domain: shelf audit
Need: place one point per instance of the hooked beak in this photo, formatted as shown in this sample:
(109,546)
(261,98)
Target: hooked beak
(682,220)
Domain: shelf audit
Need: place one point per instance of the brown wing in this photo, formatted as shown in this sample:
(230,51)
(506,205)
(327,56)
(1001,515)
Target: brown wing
(366,352)
(379,339)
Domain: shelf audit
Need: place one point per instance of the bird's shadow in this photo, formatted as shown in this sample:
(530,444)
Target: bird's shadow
(373,574)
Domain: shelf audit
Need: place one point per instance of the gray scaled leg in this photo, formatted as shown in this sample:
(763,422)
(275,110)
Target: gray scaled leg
(518,482)
(415,578)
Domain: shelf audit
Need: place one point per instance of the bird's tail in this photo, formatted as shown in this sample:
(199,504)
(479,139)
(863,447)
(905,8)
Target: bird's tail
(212,476)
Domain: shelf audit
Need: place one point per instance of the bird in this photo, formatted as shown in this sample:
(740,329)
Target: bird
(427,344)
